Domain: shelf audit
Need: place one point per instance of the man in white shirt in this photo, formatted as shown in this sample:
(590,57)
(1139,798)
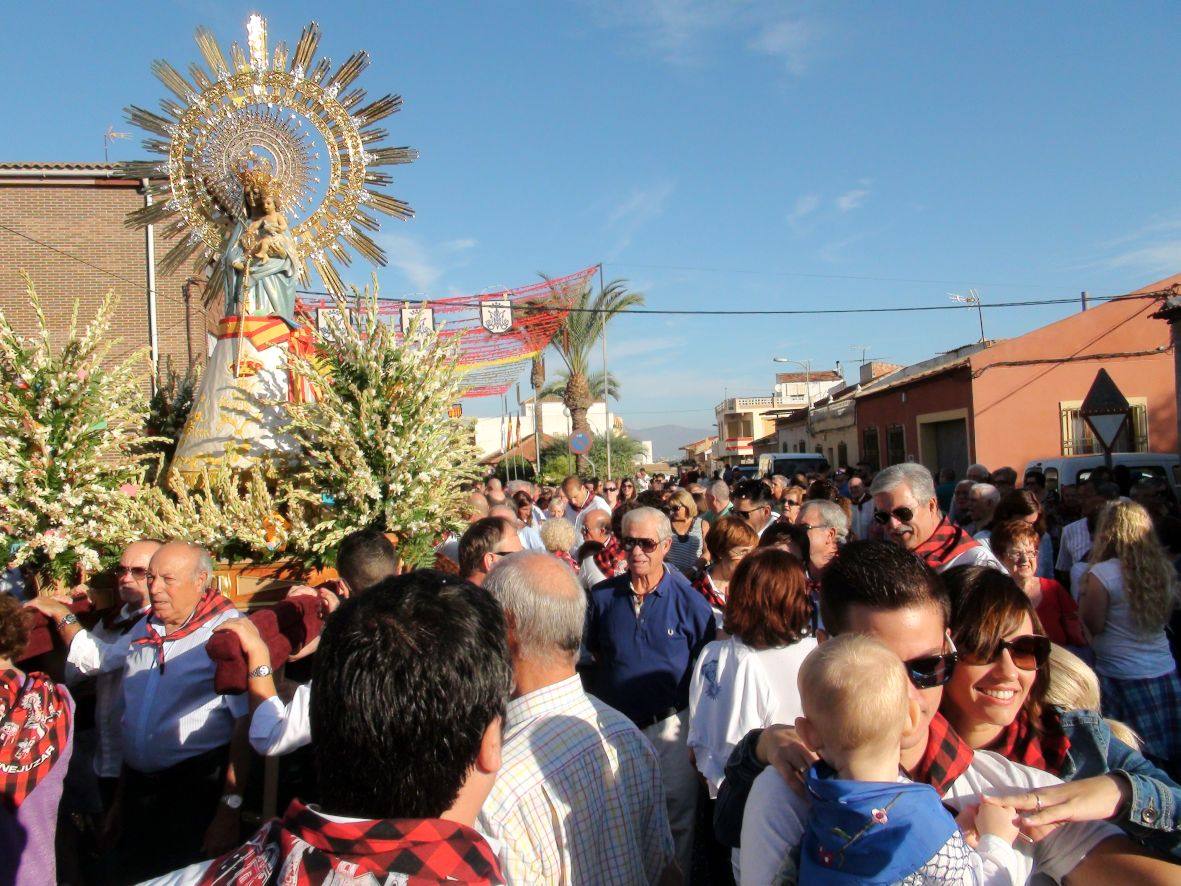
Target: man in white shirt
(580,501)
(906,507)
(185,752)
(109,638)
(597,528)
(1075,543)
(579,797)
(872,589)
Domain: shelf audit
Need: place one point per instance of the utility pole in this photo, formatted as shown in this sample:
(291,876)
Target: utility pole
(606,380)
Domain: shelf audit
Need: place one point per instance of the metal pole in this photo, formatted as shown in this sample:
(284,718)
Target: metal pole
(153,333)
(980,315)
(606,385)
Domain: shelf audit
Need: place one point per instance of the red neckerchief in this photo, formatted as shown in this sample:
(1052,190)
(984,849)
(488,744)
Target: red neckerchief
(1043,749)
(706,587)
(612,558)
(306,849)
(578,509)
(945,759)
(210,605)
(565,557)
(34,731)
(945,544)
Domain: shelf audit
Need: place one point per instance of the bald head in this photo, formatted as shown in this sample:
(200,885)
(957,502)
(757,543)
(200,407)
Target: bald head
(506,513)
(596,526)
(544,606)
(178,575)
(131,576)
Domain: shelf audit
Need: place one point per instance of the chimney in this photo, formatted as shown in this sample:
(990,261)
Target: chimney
(876,369)
(1083,298)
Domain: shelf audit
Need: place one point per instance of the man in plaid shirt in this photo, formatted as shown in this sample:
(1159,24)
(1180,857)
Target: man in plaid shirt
(580,796)
(412,679)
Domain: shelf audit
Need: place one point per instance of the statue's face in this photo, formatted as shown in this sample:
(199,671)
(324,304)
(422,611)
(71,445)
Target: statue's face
(268,204)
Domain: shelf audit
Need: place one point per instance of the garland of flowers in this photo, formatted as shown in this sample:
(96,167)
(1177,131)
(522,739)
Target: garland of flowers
(379,447)
(72,444)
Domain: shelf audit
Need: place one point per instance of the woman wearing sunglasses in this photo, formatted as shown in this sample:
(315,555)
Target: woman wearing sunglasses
(995,700)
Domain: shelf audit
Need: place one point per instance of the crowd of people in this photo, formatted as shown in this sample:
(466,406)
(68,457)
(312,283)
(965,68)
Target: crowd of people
(850,676)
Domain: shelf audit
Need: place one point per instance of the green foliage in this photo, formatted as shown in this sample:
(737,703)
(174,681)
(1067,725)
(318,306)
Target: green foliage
(72,445)
(169,407)
(515,468)
(557,462)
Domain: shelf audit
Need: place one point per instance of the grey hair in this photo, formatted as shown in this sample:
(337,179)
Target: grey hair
(557,534)
(515,486)
(664,529)
(543,602)
(915,476)
(719,490)
(987,491)
(782,479)
(832,514)
(202,559)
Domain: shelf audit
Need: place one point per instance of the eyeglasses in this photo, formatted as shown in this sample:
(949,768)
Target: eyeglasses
(811,526)
(136,572)
(1029,653)
(902,515)
(1019,554)
(610,488)
(647,545)
(745,515)
(929,671)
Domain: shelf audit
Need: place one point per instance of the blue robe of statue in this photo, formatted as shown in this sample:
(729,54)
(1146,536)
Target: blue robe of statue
(271,283)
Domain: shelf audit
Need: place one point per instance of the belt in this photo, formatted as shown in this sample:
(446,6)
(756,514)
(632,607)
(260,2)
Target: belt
(652,719)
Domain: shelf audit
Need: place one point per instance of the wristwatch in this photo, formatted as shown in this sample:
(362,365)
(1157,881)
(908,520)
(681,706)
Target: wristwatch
(233,801)
(261,671)
(68,619)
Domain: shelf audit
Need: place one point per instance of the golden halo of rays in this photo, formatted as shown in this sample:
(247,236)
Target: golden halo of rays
(252,107)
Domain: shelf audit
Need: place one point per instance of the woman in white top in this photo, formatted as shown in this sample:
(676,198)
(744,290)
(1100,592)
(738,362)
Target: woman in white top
(1128,594)
(748,680)
(687,542)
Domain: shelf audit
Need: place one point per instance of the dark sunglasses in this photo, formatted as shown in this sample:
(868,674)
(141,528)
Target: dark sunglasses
(745,515)
(609,488)
(1029,653)
(136,572)
(929,671)
(645,544)
(902,515)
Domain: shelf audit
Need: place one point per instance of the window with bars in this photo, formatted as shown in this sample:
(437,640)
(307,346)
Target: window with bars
(870,453)
(1078,439)
(895,445)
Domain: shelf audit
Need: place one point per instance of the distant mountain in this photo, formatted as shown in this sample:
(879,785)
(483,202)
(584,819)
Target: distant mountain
(667,439)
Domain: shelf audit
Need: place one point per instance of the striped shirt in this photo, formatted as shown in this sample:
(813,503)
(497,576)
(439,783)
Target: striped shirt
(579,796)
(1074,546)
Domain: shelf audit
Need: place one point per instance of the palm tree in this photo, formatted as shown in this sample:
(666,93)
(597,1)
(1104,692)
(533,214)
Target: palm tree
(557,387)
(575,340)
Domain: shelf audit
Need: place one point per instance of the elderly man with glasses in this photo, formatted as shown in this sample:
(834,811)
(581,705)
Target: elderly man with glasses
(905,505)
(645,629)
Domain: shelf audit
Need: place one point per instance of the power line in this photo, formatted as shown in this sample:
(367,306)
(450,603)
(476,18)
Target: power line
(863,277)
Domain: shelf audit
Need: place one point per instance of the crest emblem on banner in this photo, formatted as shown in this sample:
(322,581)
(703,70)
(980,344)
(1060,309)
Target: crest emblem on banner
(425,317)
(496,315)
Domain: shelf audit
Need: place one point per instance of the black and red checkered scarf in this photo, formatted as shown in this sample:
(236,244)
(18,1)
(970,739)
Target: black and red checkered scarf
(1045,748)
(306,849)
(611,558)
(705,586)
(34,732)
(946,543)
(945,759)
(209,606)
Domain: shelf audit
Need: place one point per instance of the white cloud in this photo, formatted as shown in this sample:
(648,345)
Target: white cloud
(852,200)
(421,264)
(643,347)
(636,210)
(1163,257)
(803,207)
(681,31)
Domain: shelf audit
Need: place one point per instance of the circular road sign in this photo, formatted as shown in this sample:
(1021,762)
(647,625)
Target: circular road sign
(580,443)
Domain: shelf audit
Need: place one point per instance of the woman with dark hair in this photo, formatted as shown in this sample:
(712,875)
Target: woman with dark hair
(728,541)
(996,701)
(523,505)
(1022,504)
(1015,542)
(36,742)
(627,491)
(790,537)
(747,680)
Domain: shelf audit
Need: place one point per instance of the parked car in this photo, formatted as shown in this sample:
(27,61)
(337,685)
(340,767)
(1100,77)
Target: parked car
(1069,470)
(788,463)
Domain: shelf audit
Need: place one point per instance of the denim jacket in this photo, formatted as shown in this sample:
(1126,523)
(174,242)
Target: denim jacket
(1153,816)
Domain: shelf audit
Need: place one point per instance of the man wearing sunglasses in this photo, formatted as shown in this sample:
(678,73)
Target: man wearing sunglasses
(102,651)
(906,508)
(876,589)
(752,501)
(645,629)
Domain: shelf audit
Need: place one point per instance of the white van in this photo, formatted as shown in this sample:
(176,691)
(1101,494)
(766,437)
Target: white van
(1071,469)
(787,463)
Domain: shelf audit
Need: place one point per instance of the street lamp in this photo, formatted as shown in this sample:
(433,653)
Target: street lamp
(807,367)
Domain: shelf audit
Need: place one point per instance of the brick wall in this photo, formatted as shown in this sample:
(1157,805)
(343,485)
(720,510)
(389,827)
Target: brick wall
(83,218)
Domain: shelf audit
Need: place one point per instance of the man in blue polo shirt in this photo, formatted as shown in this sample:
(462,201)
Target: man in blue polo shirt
(645,629)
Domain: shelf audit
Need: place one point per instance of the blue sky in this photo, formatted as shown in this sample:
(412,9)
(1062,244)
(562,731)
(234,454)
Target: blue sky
(717,155)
